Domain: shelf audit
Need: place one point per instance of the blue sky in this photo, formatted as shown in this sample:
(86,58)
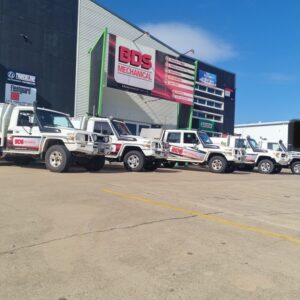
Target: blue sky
(259,40)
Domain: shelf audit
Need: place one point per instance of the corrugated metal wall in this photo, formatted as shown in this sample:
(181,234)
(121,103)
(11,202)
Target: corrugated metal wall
(91,22)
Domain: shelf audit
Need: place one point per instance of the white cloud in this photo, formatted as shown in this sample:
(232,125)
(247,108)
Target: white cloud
(182,37)
(278,77)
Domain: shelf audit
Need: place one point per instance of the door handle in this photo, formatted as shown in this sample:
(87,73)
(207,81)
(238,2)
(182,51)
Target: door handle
(17,131)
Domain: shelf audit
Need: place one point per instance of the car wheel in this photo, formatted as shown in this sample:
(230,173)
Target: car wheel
(266,166)
(95,164)
(295,167)
(152,165)
(169,164)
(277,169)
(58,158)
(230,169)
(217,164)
(134,161)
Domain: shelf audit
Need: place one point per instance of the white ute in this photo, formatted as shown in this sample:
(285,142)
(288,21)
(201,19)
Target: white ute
(28,133)
(192,146)
(135,152)
(268,161)
(293,156)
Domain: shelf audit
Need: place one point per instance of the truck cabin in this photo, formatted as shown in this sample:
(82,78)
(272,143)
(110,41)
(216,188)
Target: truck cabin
(114,127)
(252,143)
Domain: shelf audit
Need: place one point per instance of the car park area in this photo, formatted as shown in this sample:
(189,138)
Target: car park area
(170,234)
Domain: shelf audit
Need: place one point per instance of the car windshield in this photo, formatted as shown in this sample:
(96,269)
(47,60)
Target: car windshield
(203,136)
(253,143)
(121,128)
(53,119)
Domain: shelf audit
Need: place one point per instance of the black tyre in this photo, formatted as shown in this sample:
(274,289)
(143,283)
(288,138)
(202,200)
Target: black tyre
(169,164)
(266,166)
(95,164)
(295,167)
(277,169)
(134,161)
(230,169)
(58,158)
(151,165)
(217,164)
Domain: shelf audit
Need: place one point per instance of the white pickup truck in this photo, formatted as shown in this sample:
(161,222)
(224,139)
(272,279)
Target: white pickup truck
(192,146)
(268,161)
(135,152)
(293,156)
(28,133)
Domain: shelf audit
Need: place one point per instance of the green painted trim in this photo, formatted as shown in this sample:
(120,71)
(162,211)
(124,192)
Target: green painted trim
(90,52)
(102,72)
(192,106)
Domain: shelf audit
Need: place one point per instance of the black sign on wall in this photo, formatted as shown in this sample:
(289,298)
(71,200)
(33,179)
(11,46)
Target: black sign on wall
(39,37)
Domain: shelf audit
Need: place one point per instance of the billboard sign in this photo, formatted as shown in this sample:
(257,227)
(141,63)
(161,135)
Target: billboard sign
(20,87)
(143,70)
(207,78)
(206,125)
(134,64)
(19,93)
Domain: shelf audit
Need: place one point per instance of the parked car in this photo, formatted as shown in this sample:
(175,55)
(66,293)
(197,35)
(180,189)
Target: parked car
(137,153)
(28,133)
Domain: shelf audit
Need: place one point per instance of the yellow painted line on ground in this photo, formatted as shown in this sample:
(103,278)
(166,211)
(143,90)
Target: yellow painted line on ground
(202,215)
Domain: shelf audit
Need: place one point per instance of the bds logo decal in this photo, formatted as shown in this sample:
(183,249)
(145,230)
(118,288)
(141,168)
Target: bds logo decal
(18,141)
(26,143)
(134,64)
(135,58)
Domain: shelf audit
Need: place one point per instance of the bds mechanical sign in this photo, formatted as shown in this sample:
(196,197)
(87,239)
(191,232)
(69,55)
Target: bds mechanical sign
(140,69)
(134,65)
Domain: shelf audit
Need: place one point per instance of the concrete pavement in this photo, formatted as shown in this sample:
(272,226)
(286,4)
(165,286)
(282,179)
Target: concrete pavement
(170,234)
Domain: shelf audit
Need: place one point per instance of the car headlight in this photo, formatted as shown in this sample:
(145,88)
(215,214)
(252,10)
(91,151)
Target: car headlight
(80,137)
(229,151)
(106,139)
(147,145)
(101,138)
(71,137)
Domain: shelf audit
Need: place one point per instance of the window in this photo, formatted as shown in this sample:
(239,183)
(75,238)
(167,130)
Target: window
(132,127)
(240,143)
(209,102)
(274,147)
(209,90)
(173,137)
(53,119)
(121,128)
(253,144)
(207,116)
(103,128)
(190,138)
(25,118)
